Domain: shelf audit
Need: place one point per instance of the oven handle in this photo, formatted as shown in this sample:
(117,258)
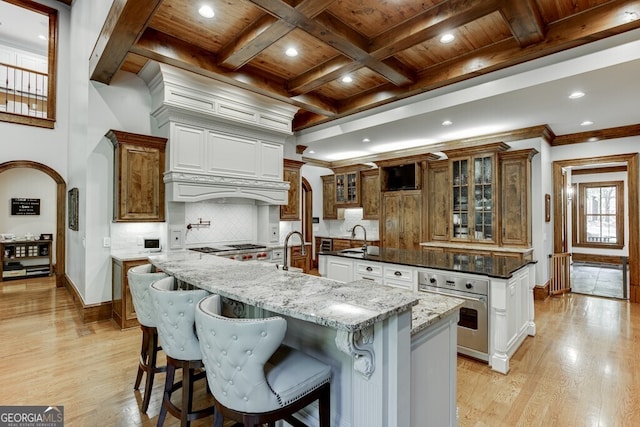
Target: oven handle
(481,299)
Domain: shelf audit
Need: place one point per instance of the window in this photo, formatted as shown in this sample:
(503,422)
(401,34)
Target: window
(601,214)
(28,45)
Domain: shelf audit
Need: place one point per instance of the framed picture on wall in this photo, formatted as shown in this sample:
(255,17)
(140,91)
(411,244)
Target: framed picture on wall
(73,209)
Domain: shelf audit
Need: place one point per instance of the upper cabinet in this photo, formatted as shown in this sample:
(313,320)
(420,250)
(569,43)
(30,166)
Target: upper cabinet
(438,200)
(370,180)
(473,193)
(515,184)
(347,189)
(139,163)
(329,209)
(291,173)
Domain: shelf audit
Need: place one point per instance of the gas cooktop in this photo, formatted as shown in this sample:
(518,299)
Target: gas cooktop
(227,248)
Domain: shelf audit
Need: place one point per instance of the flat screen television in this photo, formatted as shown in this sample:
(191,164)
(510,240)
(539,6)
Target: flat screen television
(401,177)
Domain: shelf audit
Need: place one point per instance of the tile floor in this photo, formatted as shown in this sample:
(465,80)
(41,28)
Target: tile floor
(597,279)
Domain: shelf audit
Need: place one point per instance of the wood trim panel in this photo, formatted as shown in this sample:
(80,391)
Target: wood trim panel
(88,313)
(602,259)
(597,135)
(592,171)
(541,293)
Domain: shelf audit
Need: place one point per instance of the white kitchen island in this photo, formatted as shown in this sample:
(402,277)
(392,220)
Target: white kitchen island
(392,351)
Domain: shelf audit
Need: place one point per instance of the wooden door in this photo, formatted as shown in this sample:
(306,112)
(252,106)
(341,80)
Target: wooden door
(438,202)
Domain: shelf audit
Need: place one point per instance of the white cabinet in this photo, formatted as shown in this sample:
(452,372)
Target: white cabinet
(338,268)
(366,270)
(196,149)
(511,316)
(400,276)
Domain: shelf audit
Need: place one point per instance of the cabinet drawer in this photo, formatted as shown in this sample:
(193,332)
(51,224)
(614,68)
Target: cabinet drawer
(398,283)
(369,269)
(398,273)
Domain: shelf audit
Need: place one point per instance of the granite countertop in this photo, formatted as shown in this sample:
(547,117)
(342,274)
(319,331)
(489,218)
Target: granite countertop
(346,306)
(358,237)
(501,267)
(131,255)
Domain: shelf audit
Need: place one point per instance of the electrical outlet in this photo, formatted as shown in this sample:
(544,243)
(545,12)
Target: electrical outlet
(140,241)
(176,239)
(106,242)
(274,233)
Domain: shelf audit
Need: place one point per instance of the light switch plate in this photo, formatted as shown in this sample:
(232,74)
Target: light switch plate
(176,239)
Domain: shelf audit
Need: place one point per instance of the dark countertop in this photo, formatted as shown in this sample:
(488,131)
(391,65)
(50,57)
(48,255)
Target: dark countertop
(501,267)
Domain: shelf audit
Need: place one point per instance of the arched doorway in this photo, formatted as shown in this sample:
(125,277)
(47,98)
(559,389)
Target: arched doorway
(61,201)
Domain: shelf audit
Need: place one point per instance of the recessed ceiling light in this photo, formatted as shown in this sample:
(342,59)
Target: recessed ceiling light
(630,16)
(347,79)
(41,37)
(312,152)
(447,123)
(292,51)
(592,139)
(586,123)
(206,11)
(447,38)
(366,140)
(576,95)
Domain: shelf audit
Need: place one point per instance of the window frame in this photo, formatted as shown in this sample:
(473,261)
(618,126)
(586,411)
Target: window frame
(580,225)
(52,60)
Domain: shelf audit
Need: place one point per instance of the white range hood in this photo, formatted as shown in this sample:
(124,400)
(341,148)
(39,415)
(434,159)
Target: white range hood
(224,142)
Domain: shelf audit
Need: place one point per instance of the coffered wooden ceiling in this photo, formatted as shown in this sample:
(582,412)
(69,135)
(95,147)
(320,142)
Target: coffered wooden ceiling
(390,48)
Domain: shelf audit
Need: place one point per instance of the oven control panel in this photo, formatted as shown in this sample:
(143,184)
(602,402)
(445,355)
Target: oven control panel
(453,281)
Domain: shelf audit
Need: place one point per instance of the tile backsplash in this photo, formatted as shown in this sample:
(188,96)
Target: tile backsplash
(352,217)
(228,222)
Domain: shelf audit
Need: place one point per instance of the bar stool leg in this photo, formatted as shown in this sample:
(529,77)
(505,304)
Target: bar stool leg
(144,348)
(168,385)
(152,358)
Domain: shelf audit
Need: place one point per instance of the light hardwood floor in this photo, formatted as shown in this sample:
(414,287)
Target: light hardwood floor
(579,370)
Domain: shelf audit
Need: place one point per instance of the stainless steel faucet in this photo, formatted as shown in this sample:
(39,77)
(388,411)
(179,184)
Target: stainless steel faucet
(353,235)
(303,251)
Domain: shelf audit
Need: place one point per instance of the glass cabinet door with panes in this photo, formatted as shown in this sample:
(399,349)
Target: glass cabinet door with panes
(473,196)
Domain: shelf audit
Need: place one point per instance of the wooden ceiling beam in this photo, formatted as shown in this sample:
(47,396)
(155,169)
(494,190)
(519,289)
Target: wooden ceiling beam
(600,22)
(429,24)
(343,45)
(265,31)
(166,49)
(254,39)
(125,23)
(524,20)
(597,135)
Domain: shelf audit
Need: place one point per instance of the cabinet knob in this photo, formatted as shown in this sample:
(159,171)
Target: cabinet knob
(369,269)
(397,273)
(468,285)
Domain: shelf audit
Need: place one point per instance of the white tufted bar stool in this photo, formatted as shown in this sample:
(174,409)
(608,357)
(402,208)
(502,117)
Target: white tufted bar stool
(140,279)
(254,379)
(175,311)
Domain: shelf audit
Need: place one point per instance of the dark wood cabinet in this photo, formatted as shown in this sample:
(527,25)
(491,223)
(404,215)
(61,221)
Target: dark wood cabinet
(438,200)
(298,260)
(23,259)
(402,219)
(291,173)
(329,209)
(515,186)
(139,164)
(123,311)
(370,181)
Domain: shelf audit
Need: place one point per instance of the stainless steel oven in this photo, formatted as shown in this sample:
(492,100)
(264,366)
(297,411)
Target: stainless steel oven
(473,325)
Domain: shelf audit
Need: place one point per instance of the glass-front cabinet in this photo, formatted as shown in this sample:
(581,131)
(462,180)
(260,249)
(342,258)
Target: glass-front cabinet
(473,198)
(347,189)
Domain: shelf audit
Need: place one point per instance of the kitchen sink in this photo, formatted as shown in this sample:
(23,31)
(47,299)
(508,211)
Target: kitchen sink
(351,251)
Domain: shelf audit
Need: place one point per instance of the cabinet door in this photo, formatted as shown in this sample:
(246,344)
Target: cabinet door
(341,244)
(411,220)
(370,194)
(329,210)
(291,173)
(438,217)
(515,178)
(391,206)
(473,199)
(139,164)
(347,191)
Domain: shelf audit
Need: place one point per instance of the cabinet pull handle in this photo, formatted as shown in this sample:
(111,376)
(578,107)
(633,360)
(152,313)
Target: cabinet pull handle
(397,273)
(369,269)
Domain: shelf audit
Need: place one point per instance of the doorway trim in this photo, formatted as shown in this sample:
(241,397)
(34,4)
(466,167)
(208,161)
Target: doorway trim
(559,201)
(61,202)
(307,211)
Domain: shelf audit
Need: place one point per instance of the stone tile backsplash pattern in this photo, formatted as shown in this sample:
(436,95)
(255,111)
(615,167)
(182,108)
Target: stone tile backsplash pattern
(352,217)
(229,222)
